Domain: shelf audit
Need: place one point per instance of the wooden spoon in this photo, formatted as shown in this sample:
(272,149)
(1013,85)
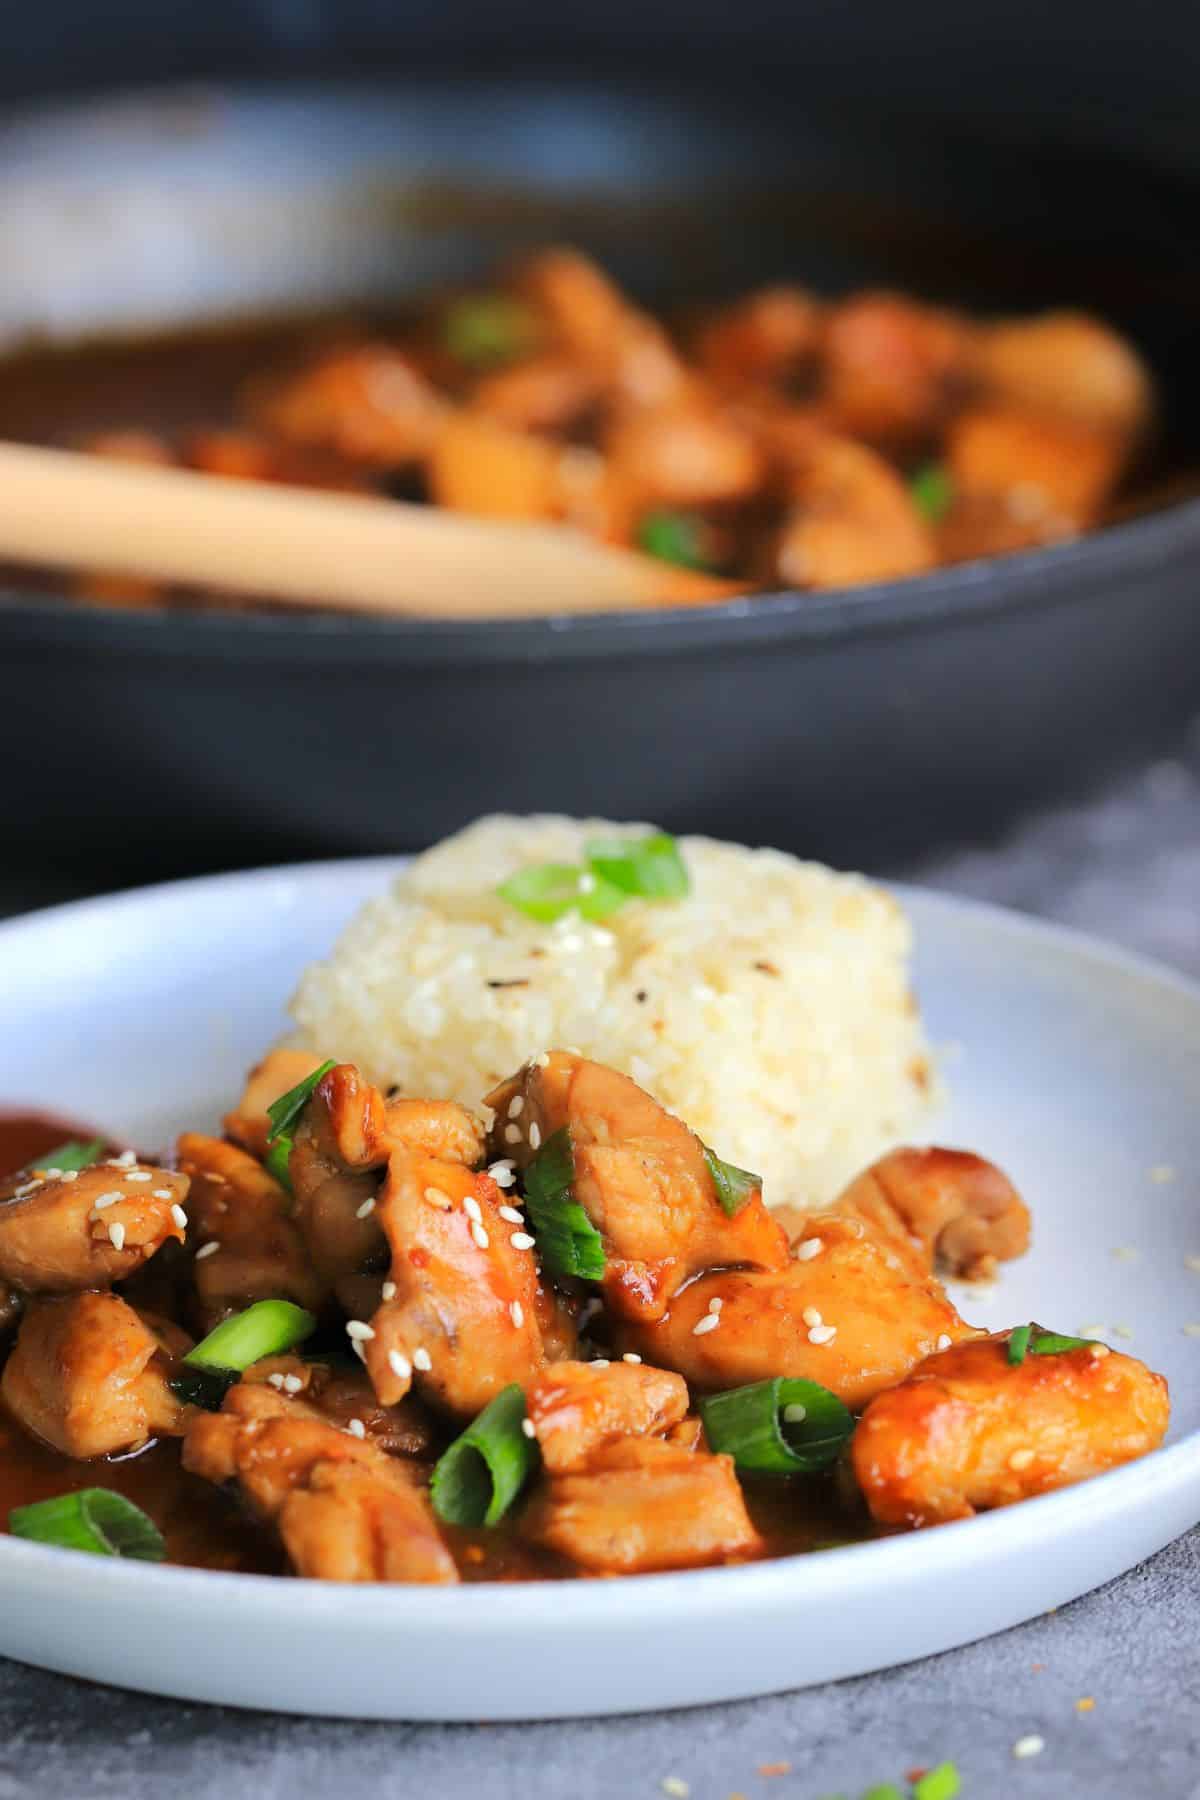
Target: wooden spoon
(73,511)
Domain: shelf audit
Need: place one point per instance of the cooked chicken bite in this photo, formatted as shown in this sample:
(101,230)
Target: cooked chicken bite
(1067,365)
(237,1205)
(65,1230)
(340,1144)
(88,1376)
(1049,472)
(438,1128)
(576,1407)
(893,368)
(853,519)
(589,315)
(968,1430)
(640,1175)
(770,336)
(367,402)
(464,1315)
(643,1504)
(278,1072)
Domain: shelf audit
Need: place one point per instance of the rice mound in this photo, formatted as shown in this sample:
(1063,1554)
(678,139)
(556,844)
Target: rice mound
(770,1009)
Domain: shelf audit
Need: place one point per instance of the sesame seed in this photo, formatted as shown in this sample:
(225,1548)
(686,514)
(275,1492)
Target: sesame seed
(535,1134)
(356,1428)
(73,1175)
(631,1356)
(511,1215)
(822,1334)
(1021,1459)
(1032,1745)
(1100,1350)
(1090,1331)
(570,941)
(944,1341)
(359,1350)
(163,1194)
(422,1360)
(276,1381)
(543,1061)
(1191,1329)
(516,1313)
(521,1240)
(808,1249)
(52,1174)
(126,1160)
(399,1365)
(795,1414)
(716,1303)
(502,1176)
(709,1322)
(675,1786)
(366,1209)
(512,1134)
(139,1175)
(1192,1263)
(178,1216)
(1124,1253)
(473,1209)
(116,1235)
(292,1384)
(599,1362)
(528,1428)
(516,1106)
(1122,1331)
(811,1316)
(209,1249)
(1162,1172)
(359,1330)
(110,1199)
(480,1235)
(388,1291)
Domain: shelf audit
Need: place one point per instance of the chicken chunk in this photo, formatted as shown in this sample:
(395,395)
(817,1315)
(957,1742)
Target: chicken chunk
(340,1145)
(65,1230)
(366,402)
(640,1175)
(552,393)
(968,1430)
(642,1505)
(486,468)
(592,318)
(687,454)
(341,1395)
(1067,365)
(438,1128)
(277,1073)
(1051,472)
(466,1308)
(237,1205)
(88,1376)
(893,369)
(852,521)
(576,1407)
(770,338)
(855,1315)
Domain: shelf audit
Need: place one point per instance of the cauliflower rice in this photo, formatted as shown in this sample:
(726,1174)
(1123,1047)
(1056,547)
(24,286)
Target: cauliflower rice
(770,1009)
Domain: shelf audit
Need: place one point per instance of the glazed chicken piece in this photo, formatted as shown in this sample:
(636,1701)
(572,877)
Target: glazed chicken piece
(577,1407)
(949,1207)
(853,520)
(65,1230)
(493,471)
(893,369)
(552,392)
(643,1504)
(345,1511)
(88,1376)
(1051,473)
(366,402)
(341,1395)
(683,455)
(237,1205)
(769,338)
(246,456)
(277,1073)
(594,321)
(641,1177)
(968,1430)
(1068,366)
(465,1313)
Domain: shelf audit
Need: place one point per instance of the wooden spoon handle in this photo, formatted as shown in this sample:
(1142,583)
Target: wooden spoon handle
(68,510)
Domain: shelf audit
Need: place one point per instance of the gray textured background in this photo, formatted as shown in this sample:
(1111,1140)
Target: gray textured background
(1127,866)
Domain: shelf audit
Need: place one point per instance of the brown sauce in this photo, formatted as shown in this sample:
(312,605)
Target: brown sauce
(205,1528)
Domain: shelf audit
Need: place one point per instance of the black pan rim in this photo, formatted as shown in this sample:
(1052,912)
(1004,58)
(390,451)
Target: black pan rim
(1068,572)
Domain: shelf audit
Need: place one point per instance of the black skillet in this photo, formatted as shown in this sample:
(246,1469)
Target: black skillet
(854,726)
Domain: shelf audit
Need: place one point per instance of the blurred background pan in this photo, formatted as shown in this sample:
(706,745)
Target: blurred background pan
(859,725)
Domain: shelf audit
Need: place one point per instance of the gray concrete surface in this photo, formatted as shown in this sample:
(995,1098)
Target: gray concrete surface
(1127,866)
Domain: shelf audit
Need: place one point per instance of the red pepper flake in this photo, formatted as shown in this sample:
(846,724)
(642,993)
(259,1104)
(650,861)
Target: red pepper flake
(912,1776)
(419,1258)
(766,1770)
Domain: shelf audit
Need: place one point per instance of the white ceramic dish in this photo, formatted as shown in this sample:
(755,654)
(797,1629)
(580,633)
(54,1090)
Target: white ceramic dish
(1079,1071)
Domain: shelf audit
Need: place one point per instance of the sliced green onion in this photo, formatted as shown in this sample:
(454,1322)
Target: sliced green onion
(734,1186)
(277,1161)
(95,1520)
(202,1387)
(284,1112)
(1018,1344)
(752,1424)
(72,1155)
(650,867)
(484,1470)
(932,491)
(1053,1343)
(483,330)
(568,1243)
(551,890)
(942,1783)
(674,537)
(886,1791)
(267,1328)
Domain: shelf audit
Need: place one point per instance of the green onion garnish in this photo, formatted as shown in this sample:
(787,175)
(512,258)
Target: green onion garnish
(284,1112)
(674,537)
(886,1791)
(483,330)
(72,1155)
(779,1427)
(277,1161)
(1053,1343)
(649,867)
(95,1520)
(734,1186)
(932,491)
(484,1470)
(942,1783)
(551,890)
(568,1243)
(1018,1344)
(267,1328)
